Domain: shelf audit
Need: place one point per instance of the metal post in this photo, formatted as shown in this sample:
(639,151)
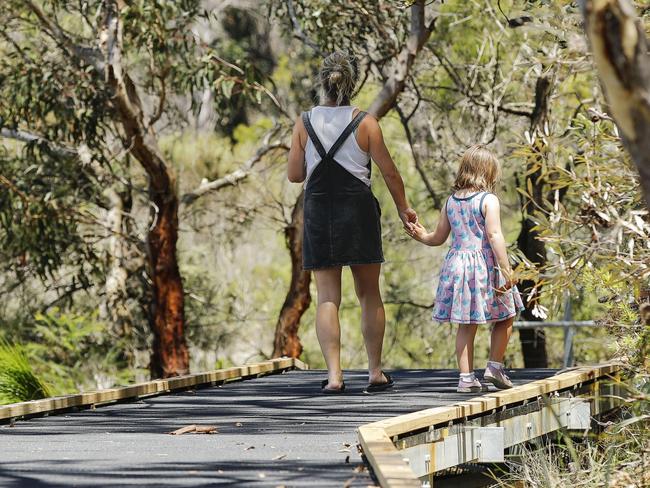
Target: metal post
(569,332)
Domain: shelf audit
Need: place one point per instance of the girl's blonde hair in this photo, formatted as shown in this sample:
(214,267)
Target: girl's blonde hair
(338,77)
(479,170)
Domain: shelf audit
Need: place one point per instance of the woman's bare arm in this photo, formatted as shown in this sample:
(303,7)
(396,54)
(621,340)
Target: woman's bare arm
(296,168)
(380,155)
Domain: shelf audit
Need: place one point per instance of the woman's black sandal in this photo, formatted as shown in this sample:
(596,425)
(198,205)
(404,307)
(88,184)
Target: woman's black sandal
(376,387)
(331,391)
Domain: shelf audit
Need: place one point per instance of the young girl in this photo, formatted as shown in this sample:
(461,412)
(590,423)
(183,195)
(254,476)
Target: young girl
(476,282)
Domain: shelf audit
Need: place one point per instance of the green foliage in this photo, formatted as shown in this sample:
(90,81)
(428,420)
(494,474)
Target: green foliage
(18,382)
(75,352)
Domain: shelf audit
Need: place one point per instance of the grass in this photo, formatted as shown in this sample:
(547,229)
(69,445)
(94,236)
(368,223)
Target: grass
(618,457)
(18,382)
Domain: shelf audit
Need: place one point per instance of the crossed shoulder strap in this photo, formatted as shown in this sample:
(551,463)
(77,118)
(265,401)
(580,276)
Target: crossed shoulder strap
(312,135)
(349,129)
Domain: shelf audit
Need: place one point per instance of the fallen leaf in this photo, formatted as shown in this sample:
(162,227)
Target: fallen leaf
(249,448)
(281,456)
(184,430)
(198,429)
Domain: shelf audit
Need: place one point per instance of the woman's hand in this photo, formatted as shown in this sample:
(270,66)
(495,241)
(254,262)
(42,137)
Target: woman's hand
(409,218)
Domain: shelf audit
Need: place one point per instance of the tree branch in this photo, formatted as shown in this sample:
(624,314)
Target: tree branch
(297,30)
(86,54)
(395,83)
(231,179)
(29,137)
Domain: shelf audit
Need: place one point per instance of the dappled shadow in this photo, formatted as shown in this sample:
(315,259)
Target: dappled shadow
(40,473)
(267,405)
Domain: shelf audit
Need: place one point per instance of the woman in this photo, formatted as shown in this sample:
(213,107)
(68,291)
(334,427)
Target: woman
(331,147)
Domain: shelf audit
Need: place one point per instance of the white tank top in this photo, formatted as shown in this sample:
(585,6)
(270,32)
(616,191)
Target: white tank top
(328,123)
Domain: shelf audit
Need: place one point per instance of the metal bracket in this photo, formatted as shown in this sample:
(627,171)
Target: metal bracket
(578,414)
(488,444)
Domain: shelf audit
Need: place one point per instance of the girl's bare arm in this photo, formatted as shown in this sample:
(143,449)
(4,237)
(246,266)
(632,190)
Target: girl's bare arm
(438,236)
(492,211)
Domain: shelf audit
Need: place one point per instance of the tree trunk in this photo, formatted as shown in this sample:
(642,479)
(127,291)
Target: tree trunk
(287,342)
(170,355)
(114,309)
(620,50)
(533,341)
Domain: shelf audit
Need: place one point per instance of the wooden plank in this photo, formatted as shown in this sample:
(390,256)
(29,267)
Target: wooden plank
(387,463)
(148,388)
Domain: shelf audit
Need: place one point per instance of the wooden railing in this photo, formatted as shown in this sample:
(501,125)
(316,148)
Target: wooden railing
(382,441)
(149,388)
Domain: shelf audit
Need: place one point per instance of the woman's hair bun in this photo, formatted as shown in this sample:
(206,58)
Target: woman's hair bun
(335,77)
(338,76)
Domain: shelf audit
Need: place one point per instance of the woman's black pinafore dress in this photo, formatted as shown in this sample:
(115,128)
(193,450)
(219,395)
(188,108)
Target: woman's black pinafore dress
(341,217)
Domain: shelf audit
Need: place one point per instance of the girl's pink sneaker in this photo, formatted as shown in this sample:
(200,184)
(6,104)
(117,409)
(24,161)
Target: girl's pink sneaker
(470,386)
(498,377)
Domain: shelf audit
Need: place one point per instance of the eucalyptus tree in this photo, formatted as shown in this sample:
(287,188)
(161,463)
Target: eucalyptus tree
(89,88)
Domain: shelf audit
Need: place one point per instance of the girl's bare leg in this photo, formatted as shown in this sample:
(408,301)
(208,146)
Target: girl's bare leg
(501,333)
(465,347)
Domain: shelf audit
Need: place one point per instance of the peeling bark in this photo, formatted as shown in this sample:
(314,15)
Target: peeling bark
(170,355)
(298,299)
(113,309)
(620,50)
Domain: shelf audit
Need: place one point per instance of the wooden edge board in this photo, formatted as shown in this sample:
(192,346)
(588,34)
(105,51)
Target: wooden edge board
(381,452)
(147,388)
(485,403)
(385,459)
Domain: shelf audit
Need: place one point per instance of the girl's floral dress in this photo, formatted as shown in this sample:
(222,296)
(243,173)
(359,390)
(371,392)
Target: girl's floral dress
(469,277)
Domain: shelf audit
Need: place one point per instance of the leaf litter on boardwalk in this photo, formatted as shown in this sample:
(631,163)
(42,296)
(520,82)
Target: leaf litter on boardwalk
(195,429)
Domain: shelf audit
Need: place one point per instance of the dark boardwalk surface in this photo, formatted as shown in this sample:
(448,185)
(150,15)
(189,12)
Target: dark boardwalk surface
(273,431)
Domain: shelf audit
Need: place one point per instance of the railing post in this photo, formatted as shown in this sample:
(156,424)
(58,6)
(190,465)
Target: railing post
(569,332)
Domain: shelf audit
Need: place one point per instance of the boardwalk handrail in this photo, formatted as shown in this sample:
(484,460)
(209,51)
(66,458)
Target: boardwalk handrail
(523,324)
(149,388)
(393,471)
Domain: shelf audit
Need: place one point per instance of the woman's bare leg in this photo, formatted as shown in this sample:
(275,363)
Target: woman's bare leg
(465,347)
(501,333)
(328,329)
(373,318)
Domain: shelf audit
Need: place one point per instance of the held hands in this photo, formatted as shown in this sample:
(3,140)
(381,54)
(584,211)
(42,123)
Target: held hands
(417,232)
(409,218)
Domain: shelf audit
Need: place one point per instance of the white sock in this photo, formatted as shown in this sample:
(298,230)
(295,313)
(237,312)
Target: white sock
(495,364)
(469,377)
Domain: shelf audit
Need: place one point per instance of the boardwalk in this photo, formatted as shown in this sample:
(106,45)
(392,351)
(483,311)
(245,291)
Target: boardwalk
(272,431)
